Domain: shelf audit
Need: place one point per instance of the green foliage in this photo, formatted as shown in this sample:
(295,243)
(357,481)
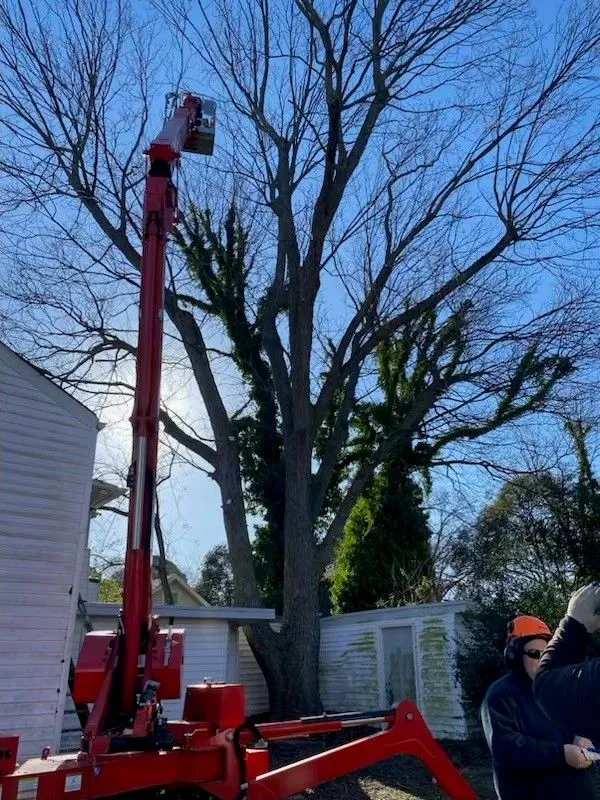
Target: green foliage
(219,262)
(110,590)
(384,554)
(480,652)
(524,537)
(384,557)
(585,548)
(541,529)
(525,554)
(479,659)
(216,577)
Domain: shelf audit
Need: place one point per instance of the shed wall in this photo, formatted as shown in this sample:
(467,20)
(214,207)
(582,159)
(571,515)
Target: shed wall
(352,669)
(249,673)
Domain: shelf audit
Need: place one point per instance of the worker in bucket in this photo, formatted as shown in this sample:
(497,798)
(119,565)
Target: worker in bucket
(567,686)
(532,756)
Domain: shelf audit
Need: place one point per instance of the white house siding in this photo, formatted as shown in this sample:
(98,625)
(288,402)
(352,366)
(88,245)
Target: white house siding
(249,673)
(348,670)
(351,664)
(351,661)
(206,643)
(71,731)
(47,446)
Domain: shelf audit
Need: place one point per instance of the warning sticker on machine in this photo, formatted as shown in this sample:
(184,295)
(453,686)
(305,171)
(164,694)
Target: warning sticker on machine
(27,789)
(72,783)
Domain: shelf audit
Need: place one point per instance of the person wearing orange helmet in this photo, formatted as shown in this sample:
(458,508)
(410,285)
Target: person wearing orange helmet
(532,757)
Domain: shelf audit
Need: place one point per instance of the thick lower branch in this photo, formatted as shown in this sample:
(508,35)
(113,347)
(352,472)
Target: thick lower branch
(190,442)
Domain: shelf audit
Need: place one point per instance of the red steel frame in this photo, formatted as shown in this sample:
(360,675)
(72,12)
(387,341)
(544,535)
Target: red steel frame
(212,748)
(208,759)
(160,209)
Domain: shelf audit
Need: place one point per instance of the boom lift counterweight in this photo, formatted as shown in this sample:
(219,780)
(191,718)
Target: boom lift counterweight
(127,744)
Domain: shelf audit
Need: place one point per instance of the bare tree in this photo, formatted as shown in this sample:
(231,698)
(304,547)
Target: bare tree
(414,172)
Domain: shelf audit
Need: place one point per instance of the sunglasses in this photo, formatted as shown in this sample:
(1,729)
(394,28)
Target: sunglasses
(534,654)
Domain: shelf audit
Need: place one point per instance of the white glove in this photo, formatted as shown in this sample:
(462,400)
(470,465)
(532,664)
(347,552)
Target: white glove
(584,606)
(582,741)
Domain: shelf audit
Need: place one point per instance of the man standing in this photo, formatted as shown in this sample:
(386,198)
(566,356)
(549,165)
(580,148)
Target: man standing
(532,757)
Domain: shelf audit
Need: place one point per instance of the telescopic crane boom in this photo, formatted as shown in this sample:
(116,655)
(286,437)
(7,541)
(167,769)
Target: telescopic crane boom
(190,129)
(126,675)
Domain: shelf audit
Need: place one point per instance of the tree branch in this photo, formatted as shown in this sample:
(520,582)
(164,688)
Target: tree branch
(193,444)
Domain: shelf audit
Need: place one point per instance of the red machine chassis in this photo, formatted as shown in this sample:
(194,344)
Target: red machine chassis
(231,765)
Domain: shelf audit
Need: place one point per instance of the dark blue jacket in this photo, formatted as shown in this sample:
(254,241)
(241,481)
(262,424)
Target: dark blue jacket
(567,686)
(527,748)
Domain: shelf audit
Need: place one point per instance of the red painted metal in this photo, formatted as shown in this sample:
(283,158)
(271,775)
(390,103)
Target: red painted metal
(189,130)
(159,209)
(84,777)
(166,663)
(142,653)
(126,673)
(9,744)
(213,760)
(92,735)
(183,131)
(257,763)
(92,666)
(221,705)
(408,734)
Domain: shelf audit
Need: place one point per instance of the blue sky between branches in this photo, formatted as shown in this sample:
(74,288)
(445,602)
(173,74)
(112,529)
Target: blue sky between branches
(190,501)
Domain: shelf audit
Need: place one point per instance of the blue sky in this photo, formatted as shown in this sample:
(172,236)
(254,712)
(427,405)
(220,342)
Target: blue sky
(190,502)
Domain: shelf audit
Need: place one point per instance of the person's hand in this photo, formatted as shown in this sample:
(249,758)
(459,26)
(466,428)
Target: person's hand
(581,741)
(584,606)
(576,757)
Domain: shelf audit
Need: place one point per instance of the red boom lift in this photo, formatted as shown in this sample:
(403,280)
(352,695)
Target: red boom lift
(127,744)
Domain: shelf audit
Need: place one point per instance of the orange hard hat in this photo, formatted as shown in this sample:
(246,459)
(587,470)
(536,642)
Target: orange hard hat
(527,626)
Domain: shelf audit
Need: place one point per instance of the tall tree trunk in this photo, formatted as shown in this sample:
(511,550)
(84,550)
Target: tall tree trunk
(289,659)
(300,636)
(162,556)
(300,631)
(267,650)
(290,664)
(264,641)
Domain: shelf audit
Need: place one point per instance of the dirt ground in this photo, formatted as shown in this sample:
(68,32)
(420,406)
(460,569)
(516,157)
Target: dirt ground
(400,778)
